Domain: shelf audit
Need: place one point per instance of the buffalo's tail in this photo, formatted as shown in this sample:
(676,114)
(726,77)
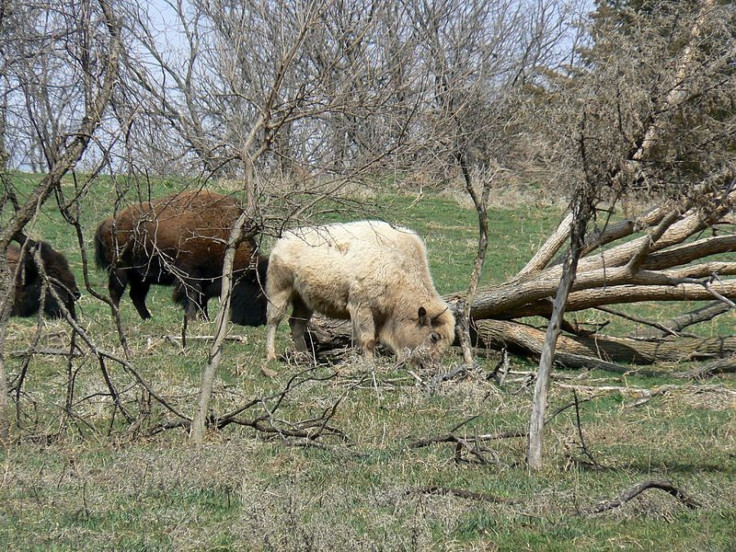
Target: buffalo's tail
(103,258)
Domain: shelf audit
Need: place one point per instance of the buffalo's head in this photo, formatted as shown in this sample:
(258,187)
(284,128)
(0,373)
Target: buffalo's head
(61,279)
(426,335)
(29,282)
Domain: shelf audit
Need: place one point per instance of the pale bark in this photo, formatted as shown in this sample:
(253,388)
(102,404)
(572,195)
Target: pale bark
(702,314)
(678,92)
(539,402)
(549,249)
(481,207)
(7,293)
(658,266)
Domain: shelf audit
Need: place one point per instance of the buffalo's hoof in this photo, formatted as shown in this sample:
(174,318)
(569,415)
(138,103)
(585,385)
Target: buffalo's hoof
(268,372)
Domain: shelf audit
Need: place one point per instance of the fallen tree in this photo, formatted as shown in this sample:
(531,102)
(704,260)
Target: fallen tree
(674,255)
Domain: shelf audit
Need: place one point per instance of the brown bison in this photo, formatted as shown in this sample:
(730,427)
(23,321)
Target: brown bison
(29,281)
(180,240)
(370,272)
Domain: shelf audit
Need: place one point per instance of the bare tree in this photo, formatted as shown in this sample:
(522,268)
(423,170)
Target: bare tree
(324,92)
(256,88)
(654,147)
(60,67)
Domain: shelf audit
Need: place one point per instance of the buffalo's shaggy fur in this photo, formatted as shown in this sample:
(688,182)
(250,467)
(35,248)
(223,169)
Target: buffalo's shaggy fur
(370,272)
(180,240)
(29,281)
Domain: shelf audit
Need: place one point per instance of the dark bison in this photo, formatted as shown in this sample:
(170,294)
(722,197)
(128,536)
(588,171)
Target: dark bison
(180,240)
(29,282)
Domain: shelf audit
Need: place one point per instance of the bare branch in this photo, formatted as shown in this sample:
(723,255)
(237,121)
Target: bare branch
(472,495)
(661,484)
(550,248)
(721,366)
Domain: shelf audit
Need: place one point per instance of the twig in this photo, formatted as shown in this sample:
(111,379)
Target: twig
(636,392)
(113,392)
(450,438)
(461,424)
(638,320)
(461,369)
(43,351)
(476,451)
(723,299)
(269,424)
(184,326)
(310,443)
(664,485)
(375,387)
(502,369)
(580,431)
(485,497)
(233,338)
(420,381)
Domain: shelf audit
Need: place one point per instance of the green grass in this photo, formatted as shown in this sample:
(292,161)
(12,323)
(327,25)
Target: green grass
(85,483)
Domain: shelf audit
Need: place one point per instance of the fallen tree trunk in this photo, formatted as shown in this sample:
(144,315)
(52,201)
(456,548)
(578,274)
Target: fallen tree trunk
(658,265)
(524,339)
(671,260)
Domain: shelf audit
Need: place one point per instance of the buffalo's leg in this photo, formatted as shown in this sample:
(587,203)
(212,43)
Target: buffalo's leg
(196,301)
(271,341)
(298,321)
(138,292)
(117,282)
(189,294)
(364,328)
(183,295)
(279,298)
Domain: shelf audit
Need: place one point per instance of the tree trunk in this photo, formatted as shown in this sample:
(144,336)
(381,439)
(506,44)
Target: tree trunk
(539,402)
(197,430)
(61,157)
(527,340)
(581,211)
(6,293)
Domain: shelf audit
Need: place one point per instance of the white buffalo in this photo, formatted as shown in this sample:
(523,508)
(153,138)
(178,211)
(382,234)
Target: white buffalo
(370,272)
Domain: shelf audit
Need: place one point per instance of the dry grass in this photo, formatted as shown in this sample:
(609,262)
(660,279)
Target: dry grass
(244,490)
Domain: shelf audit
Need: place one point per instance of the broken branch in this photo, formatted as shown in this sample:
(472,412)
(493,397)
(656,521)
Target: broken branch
(485,497)
(639,488)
